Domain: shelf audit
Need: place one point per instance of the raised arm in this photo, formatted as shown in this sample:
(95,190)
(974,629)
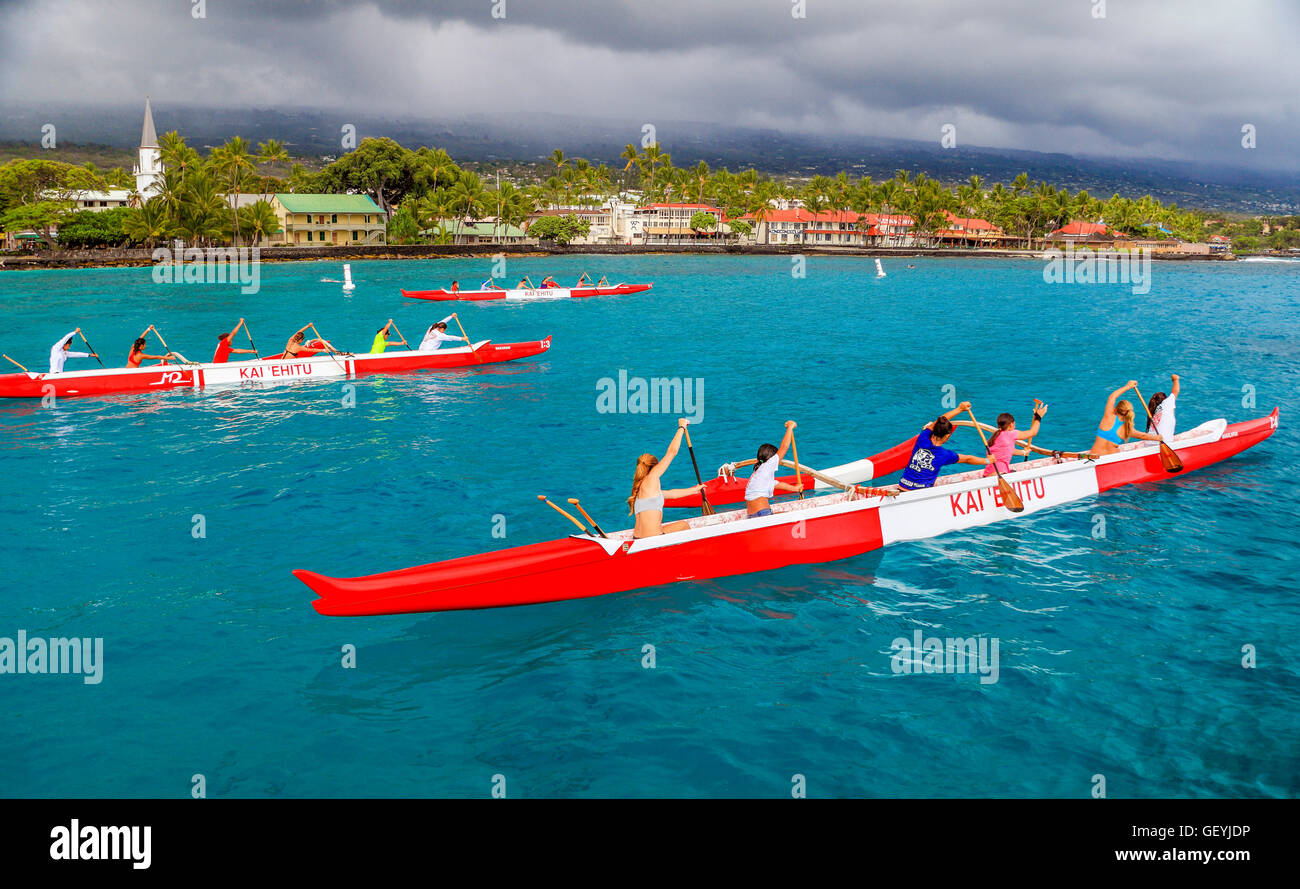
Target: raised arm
(1114,396)
(1039,410)
(662,466)
(1173,389)
(961,408)
(785,441)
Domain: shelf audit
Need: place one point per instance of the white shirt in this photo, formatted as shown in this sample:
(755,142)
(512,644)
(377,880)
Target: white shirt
(58,356)
(1164,418)
(435,338)
(763,482)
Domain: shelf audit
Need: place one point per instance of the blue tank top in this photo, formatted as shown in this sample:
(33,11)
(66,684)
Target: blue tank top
(1110,434)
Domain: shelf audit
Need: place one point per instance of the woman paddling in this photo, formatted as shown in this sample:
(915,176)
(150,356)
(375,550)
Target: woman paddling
(437,335)
(1002,446)
(226,345)
(929,455)
(762,483)
(138,354)
(1116,426)
(1161,411)
(647,500)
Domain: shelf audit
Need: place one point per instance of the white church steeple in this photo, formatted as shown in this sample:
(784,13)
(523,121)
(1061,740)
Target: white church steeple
(149,167)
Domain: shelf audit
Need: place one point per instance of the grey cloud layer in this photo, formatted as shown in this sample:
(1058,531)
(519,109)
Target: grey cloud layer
(1163,77)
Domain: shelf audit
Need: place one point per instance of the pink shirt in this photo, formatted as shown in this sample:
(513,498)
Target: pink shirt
(1002,448)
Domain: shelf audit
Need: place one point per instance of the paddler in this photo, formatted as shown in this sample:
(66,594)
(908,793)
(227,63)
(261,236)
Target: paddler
(1002,446)
(1161,407)
(929,455)
(381,339)
(60,352)
(437,335)
(647,500)
(549,282)
(583,280)
(138,354)
(762,482)
(225,345)
(455,287)
(490,284)
(1116,426)
(295,344)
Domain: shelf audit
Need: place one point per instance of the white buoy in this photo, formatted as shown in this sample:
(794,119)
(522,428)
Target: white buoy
(880,270)
(347,277)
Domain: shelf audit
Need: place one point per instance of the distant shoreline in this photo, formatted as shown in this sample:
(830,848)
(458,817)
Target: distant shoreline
(142,257)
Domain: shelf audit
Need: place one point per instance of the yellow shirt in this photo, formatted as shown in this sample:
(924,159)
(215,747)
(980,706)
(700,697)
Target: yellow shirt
(379,344)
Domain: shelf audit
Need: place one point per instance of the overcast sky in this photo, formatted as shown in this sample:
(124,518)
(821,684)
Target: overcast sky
(1155,78)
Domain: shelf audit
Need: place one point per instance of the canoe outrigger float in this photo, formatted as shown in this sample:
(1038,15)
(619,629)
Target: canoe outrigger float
(116,380)
(527,294)
(815,529)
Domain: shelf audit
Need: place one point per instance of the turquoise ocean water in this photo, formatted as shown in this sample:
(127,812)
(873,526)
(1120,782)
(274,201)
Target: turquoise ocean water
(1119,656)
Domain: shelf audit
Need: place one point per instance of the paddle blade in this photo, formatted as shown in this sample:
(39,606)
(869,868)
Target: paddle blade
(1169,459)
(1010,499)
(707,508)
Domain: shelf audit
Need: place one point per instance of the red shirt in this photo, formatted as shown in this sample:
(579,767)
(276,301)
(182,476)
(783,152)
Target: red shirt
(222,355)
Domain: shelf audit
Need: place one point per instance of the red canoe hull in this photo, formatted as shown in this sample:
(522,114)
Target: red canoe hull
(117,381)
(581,566)
(538,293)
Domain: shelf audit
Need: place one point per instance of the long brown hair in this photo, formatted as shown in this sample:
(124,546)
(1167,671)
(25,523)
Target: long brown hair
(1124,410)
(1153,406)
(644,464)
(1004,423)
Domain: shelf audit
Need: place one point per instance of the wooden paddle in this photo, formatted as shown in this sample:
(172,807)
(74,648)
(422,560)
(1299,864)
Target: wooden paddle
(25,370)
(244,324)
(89,346)
(706,509)
(581,526)
(794,446)
(328,347)
(164,345)
(477,359)
(402,335)
(1010,499)
(1168,458)
(574,501)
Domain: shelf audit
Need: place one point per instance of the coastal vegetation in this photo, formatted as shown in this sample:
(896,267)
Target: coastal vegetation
(429,197)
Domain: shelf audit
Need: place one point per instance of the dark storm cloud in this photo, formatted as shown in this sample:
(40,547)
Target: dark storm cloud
(1152,77)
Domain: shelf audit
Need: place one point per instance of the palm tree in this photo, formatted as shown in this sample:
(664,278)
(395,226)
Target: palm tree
(760,204)
(272,151)
(468,198)
(259,220)
(631,155)
(231,162)
(147,224)
(655,156)
(204,214)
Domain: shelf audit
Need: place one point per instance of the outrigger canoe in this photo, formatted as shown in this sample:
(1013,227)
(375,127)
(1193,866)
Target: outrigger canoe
(816,529)
(526,294)
(116,380)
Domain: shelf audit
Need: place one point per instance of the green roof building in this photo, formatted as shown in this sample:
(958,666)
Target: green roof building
(328,220)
